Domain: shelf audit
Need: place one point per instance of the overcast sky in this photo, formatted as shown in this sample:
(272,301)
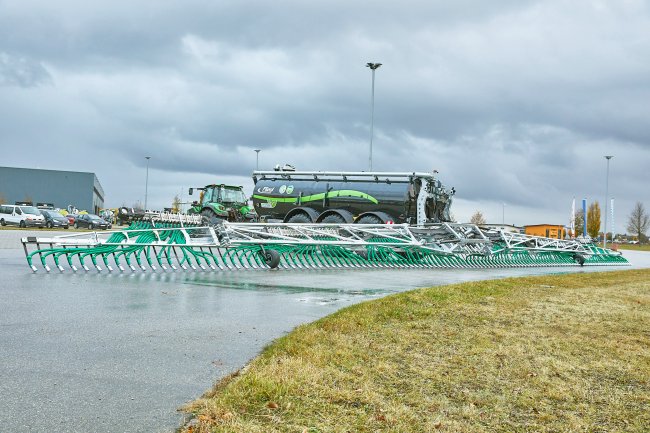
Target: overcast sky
(514,102)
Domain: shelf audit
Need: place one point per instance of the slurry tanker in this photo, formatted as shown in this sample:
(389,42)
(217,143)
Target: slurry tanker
(351,197)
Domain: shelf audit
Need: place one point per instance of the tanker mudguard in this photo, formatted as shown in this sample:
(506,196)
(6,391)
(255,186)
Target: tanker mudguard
(413,198)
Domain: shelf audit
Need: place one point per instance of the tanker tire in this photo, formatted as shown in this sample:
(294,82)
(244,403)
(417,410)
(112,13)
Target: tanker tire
(369,219)
(272,258)
(333,219)
(299,218)
(211,218)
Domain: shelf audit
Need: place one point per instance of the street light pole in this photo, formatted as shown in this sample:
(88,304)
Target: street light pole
(146,184)
(503,214)
(608,157)
(257,158)
(373,67)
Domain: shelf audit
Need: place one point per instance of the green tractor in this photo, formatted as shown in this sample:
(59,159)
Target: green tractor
(219,203)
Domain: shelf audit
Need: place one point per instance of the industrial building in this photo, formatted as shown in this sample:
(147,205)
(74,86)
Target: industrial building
(60,188)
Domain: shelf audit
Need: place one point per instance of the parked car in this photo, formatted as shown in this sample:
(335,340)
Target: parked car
(54,219)
(91,221)
(23,216)
(71,217)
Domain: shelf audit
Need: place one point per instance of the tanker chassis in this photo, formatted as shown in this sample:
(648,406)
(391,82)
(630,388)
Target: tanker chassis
(351,197)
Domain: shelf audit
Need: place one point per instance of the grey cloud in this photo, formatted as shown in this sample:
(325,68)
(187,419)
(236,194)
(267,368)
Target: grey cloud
(22,72)
(512,101)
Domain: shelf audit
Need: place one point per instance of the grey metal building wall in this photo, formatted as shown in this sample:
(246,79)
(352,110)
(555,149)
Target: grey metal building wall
(61,188)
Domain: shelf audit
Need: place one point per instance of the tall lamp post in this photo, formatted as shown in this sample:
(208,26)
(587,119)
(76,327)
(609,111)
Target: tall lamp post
(257,158)
(146,183)
(607,157)
(373,67)
(503,214)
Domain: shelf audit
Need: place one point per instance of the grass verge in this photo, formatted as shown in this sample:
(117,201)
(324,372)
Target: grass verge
(552,353)
(634,247)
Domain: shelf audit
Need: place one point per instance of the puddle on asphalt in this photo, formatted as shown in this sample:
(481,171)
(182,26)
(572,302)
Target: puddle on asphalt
(283,288)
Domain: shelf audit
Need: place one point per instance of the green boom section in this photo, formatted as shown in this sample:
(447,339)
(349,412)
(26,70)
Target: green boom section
(321,196)
(166,245)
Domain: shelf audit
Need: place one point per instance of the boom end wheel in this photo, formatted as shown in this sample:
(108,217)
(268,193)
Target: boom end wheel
(271,258)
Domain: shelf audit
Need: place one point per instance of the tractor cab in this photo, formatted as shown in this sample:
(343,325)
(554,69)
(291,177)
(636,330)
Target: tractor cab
(218,203)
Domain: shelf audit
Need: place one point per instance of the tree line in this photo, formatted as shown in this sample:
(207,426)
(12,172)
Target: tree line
(638,221)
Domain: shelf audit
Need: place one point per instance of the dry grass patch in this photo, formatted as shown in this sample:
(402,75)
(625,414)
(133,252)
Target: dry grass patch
(552,353)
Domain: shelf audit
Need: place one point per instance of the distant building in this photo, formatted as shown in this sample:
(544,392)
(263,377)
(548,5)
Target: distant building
(546,230)
(510,228)
(61,188)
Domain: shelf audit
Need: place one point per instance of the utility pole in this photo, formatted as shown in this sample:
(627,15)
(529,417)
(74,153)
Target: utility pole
(257,159)
(146,184)
(608,157)
(373,67)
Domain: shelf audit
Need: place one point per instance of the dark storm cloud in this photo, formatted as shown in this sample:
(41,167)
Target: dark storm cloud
(512,101)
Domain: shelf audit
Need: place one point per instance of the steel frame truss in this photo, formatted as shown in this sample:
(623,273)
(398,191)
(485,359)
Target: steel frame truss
(175,243)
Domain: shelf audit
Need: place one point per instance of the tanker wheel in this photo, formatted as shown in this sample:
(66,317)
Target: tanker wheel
(333,219)
(299,218)
(369,219)
(211,218)
(271,258)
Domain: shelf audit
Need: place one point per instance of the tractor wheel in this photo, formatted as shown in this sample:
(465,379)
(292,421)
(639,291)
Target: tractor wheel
(272,258)
(333,219)
(211,218)
(369,219)
(299,218)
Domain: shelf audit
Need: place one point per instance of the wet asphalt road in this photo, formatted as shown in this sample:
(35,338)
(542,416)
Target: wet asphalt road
(91,352)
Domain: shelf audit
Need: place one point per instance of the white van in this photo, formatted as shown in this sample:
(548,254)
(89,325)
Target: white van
(23,216)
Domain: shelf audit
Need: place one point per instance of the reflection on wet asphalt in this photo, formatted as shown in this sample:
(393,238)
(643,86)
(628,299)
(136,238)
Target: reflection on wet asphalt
(121,352)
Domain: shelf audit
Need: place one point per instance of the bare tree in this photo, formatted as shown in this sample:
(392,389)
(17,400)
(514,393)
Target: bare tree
(638,222)
(593,220)
(477,218)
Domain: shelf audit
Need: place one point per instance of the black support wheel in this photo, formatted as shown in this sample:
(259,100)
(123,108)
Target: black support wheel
(369,219)
(271,258)
(333,219)
(299,218)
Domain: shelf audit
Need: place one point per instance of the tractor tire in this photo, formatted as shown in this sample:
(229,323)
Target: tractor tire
(211,218)
(272,258)
(369,219)
(299,218)
(333,219)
